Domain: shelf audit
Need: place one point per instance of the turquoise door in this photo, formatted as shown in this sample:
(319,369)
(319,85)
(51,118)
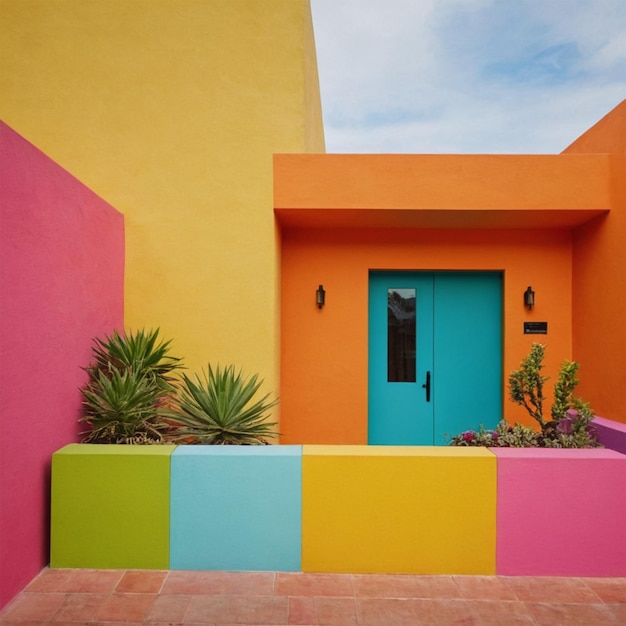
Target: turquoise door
(435,355)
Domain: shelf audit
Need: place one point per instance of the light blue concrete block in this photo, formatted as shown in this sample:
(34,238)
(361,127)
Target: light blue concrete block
(236,508)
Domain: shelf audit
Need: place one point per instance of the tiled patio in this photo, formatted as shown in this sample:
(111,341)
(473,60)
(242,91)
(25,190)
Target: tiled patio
(225,598)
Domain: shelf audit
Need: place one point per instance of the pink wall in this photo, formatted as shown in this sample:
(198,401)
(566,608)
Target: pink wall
(61,284)
(611,434)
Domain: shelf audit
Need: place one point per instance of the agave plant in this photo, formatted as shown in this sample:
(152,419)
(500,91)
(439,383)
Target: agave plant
(130,383)
(218,407)
(140,351)
(123,406)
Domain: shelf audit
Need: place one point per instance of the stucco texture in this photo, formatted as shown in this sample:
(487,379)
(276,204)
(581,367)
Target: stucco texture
(61,284)
(171,111)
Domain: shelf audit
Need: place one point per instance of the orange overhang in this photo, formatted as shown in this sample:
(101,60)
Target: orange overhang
(440,191)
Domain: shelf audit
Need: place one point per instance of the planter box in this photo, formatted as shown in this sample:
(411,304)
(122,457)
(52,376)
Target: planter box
(110,506)
(387,509)
(420,510)
(561,512)
(236,508)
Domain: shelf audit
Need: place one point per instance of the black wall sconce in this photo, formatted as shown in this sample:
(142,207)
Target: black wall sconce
(320,297)
(529,298)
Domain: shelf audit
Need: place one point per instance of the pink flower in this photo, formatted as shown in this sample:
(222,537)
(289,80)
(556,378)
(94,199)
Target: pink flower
(468,436)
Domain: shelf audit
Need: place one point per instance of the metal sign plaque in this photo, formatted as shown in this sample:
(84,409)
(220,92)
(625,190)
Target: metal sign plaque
(535,328)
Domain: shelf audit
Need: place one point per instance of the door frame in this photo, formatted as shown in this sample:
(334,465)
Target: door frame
(476,337)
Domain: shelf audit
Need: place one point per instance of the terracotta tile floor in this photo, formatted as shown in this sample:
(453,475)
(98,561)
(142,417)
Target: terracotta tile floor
(104,597)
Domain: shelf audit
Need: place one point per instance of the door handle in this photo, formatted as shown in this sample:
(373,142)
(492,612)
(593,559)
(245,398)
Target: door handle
(426,386)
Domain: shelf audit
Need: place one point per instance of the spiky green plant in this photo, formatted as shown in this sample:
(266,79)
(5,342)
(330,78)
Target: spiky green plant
(130,382)
(122,407)
(219,407)
(140,351)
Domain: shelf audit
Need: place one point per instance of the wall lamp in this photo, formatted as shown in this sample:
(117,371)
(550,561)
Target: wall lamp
(320,297)
(529,298)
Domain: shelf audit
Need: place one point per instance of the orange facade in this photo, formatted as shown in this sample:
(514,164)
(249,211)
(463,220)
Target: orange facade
(541,220)
(599,287)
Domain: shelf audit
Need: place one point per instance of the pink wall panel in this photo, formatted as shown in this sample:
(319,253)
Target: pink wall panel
(61,284)
(561,512)
(611,434)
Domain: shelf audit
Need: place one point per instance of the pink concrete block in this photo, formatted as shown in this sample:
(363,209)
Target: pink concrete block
(561,512)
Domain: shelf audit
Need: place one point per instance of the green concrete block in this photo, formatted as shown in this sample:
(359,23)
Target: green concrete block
(110,506)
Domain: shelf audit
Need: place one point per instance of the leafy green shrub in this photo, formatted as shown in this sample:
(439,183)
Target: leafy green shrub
(526,383)
(518,436)
(570,425)
(503,436)
(130,385)
(219,408)
(574,430)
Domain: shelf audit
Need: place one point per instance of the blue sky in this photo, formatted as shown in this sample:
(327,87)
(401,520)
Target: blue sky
(467,76)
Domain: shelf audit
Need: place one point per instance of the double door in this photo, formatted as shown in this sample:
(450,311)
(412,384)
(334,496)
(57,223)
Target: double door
(435,355)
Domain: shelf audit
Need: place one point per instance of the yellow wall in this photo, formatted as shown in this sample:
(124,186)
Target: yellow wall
(171,110)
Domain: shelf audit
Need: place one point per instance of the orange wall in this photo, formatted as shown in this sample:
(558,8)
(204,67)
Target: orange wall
(540,219)
(324,352)
(599,287)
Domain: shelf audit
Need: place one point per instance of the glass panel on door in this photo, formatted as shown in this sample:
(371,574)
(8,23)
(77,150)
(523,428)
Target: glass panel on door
(401,335)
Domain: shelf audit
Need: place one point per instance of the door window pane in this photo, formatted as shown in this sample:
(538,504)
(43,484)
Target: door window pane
(401,323)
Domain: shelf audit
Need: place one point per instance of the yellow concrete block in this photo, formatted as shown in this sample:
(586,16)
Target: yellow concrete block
(423,510)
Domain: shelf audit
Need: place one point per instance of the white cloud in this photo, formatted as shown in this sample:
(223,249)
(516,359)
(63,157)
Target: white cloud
(467,75)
